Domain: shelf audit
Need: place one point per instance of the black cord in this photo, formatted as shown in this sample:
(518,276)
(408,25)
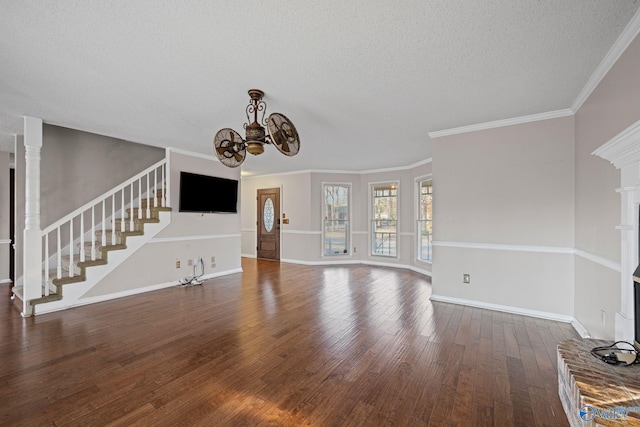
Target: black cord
(610,353)
(193,280)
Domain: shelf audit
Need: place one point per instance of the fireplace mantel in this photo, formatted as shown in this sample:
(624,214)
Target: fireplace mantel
(623,151)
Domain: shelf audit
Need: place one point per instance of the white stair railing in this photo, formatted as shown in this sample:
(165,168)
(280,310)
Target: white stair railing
(61,237)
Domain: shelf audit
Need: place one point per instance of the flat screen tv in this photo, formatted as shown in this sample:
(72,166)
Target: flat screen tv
(209,194)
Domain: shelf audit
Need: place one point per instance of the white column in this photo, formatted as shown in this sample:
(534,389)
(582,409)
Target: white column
(32,233)
(628,227)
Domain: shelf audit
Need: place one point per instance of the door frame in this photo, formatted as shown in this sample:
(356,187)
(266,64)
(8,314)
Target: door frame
(255,235)
(12,225)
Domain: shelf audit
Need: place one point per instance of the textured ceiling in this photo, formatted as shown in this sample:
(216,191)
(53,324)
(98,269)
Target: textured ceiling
(364,81)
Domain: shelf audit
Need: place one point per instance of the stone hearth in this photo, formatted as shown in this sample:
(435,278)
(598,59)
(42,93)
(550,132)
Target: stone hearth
(585,380)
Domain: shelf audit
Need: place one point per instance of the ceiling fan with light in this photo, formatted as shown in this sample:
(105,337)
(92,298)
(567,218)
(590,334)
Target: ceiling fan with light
(231,149)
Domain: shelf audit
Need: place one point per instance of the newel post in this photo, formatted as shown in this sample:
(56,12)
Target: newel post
(32,272)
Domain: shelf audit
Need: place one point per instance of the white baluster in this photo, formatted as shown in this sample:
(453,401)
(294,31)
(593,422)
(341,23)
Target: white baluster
(71,247)
(140,198)
(104,231)
(93,233)
(59,255)
(155,187)
(167,185)
(82,255)
(46,264)
(113,218)
(162,187)
(148,198)
(131,223)
(122,220)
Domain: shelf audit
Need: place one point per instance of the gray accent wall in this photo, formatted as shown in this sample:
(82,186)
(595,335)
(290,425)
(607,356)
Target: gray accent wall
(79,166)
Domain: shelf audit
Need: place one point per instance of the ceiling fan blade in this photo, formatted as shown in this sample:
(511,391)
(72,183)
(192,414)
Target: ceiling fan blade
(238,157)
(284,134)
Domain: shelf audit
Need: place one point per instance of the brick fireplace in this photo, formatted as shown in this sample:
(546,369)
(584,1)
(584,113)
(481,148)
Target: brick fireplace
(594,393)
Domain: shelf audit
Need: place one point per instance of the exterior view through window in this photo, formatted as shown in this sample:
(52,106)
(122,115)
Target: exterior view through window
(336,219)
(425,220)
(384,225)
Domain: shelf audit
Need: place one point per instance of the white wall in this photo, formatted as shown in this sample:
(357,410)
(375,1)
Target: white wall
(504,213)
(19,170)
(612,107)
(4,217)
(189,235)
(297,237)
(302,200)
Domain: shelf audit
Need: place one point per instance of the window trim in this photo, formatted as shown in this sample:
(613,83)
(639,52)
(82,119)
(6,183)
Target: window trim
(416,230)
(370,207)
(323,208)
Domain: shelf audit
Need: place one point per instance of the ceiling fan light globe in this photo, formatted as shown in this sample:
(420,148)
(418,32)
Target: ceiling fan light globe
(255,147)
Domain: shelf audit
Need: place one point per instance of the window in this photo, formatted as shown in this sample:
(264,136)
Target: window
(425,220)
(384,223)
(336,219)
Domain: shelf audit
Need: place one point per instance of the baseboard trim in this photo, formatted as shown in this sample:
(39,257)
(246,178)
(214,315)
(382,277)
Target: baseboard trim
(102,298)
(505,309)
(3,281)
(581,330)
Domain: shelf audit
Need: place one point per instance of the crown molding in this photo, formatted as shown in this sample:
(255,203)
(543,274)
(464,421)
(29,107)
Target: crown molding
(621,44)
(622,149)
(337,171)
(191,153)
(502,123)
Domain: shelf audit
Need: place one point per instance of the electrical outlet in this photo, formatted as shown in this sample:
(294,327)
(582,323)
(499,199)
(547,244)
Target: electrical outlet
(603,317)
(355,250)
(190,262)
(177,263)
(466,278)
(213,262)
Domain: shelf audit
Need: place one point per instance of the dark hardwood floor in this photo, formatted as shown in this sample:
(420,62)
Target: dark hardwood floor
(281,344)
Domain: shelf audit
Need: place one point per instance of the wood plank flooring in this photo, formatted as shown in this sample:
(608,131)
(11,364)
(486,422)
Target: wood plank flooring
(281,344)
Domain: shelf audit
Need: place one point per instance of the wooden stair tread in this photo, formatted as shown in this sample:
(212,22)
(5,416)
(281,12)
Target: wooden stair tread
(101,250)
(49,298)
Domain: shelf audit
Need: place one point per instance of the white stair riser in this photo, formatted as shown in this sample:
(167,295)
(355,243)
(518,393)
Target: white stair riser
(94,274)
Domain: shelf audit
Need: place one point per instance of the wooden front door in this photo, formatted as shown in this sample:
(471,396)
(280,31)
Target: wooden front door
(269,224)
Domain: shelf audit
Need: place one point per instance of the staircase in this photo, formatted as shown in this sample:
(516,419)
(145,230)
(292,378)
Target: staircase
(80,249)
